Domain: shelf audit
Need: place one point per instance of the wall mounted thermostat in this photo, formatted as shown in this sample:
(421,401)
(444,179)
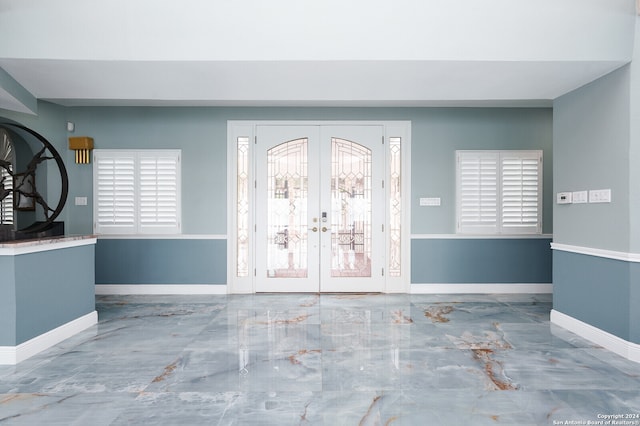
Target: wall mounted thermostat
(564,198)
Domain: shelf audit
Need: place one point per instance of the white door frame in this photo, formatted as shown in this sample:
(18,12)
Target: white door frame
(246,130)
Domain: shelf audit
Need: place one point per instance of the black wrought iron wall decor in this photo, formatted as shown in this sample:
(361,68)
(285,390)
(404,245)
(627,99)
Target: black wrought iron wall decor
(24,187)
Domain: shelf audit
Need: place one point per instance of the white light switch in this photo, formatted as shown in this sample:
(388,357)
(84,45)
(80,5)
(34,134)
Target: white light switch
(432,201)
(81,201)
(600,196)
(580,197)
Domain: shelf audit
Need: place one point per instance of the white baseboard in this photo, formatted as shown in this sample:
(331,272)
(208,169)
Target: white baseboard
(480,288)
(160,289)
(615,344)
(11,355)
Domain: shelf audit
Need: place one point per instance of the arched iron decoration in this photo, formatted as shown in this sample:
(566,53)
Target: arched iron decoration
(31,167)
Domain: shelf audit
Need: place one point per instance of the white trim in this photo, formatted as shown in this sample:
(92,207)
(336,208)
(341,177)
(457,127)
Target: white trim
(608,254)
(481,288)
(480,236)
(615,344)
(162,289)
(11,355)
(162,237)
(41,245)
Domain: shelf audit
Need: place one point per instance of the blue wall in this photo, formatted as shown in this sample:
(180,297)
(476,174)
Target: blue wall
(201,135)
(161,261)
(634,302)
(51,288)
(476,260)
(437,133)
(592,150)
(596,291)
(7,302)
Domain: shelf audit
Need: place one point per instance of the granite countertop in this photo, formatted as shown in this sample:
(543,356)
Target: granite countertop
(43,243)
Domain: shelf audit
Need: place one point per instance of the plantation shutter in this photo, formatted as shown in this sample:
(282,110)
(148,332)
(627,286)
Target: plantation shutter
(6,205)
(6,179)
(477,192)
(521,189)
(137,191)
(499,192)
(159,192)
(114,196)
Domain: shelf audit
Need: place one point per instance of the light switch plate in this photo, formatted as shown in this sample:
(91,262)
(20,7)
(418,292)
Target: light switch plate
(81,201)
(580,197)
(600,196)
(431,201)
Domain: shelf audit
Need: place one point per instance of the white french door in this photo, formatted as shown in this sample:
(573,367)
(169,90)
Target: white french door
(319,208)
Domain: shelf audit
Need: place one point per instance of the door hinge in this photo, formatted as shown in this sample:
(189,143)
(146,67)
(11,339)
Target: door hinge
(255,272)
(255,140)
(382,140)
(383,272)
(383,227)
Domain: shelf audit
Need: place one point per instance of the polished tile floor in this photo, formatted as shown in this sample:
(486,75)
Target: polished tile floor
(321,360)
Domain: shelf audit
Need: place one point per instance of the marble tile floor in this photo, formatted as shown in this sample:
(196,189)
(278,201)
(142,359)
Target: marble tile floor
(305,359)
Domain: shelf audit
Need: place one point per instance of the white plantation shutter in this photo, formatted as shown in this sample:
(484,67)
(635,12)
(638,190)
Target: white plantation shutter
(499,192)
(7,154)
(159,192)
(477,191)
(521,190)
(6,205)
(114,193)
(136,192)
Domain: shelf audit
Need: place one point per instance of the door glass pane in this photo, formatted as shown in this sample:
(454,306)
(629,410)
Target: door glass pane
(287,180)
(395,207)
(242,208)
(350,209)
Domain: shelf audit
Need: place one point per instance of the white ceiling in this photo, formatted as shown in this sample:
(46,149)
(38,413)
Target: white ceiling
(418,53)
(301,83)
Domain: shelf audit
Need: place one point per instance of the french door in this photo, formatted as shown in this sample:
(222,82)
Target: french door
(319,208)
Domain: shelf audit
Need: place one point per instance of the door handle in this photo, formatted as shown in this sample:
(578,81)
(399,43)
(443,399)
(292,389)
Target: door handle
(325,229)
(314,229)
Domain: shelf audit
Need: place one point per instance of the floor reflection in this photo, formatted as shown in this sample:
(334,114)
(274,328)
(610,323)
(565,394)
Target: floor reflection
(320,359)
